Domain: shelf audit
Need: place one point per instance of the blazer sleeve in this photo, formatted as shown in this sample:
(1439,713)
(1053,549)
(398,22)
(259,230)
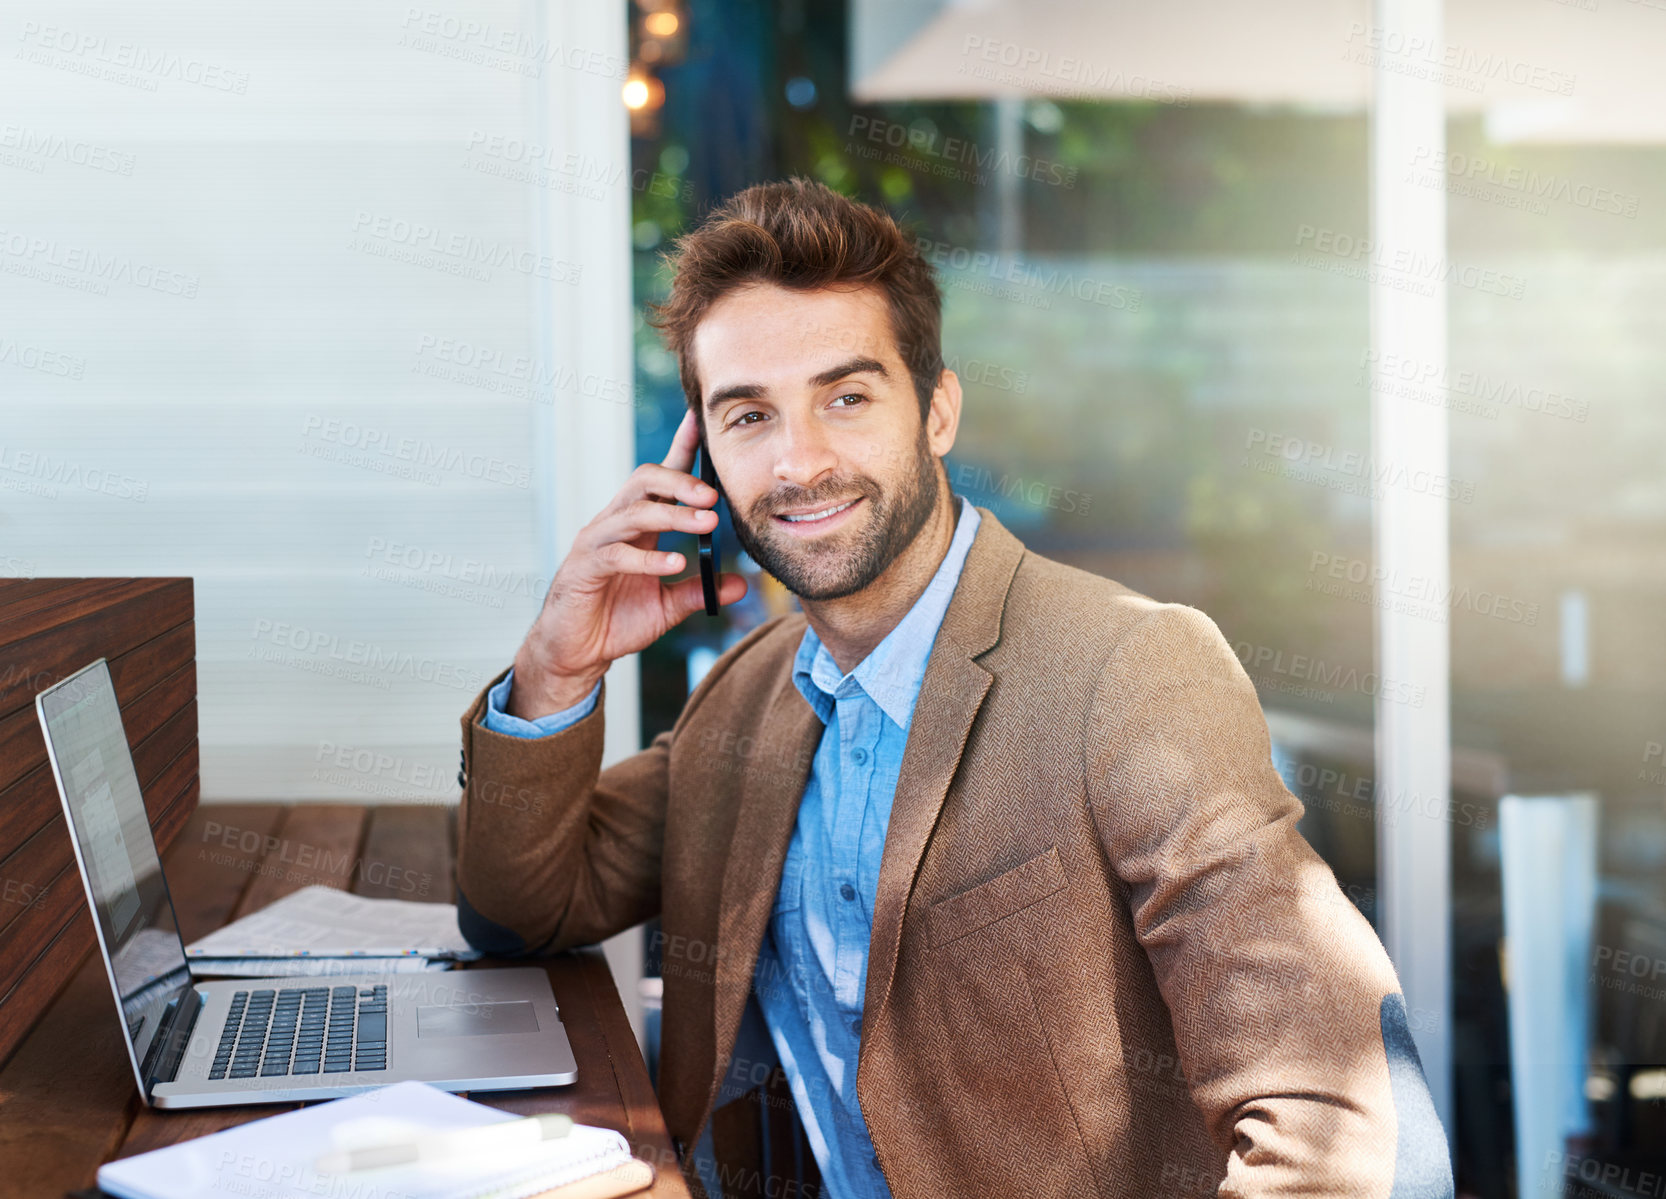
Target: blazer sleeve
(552,850)
(1287,1014)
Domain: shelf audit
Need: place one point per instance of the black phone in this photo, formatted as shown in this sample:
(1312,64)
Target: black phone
(711,562)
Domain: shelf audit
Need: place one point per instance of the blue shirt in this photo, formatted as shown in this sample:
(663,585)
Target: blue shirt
(812,967)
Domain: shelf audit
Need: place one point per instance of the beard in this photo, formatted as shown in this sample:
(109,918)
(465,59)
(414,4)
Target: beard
(833,571)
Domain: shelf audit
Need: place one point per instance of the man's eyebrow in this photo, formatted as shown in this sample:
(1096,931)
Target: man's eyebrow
(753,391)
(851,366)
(735,391)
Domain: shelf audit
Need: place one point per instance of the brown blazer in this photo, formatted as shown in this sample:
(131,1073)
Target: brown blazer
(1103,961)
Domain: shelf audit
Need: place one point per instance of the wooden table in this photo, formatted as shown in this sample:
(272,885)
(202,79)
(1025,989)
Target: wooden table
(67,1096)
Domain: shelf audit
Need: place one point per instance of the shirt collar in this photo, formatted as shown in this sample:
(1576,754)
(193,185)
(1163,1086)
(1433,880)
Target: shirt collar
(890,675)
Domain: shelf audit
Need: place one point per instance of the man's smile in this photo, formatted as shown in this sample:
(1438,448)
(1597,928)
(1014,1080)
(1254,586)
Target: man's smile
(817,520)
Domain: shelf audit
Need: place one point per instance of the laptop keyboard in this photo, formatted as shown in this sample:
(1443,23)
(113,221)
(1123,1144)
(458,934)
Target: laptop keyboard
(303,1030)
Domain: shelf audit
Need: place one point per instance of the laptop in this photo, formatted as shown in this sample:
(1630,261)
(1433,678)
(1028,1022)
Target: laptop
(213,1043)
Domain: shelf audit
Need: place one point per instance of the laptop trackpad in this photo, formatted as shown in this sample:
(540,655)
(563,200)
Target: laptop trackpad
(477,1019)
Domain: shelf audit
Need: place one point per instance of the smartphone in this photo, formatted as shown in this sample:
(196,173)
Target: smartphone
(711,563)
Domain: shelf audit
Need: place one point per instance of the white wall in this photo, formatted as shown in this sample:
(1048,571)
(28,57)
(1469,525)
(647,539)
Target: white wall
(272,282)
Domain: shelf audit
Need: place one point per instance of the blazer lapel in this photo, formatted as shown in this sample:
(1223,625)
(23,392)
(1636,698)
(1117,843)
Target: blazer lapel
(768,810)
(951,694)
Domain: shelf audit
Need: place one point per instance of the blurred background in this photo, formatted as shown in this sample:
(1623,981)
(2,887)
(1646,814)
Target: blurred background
(339,311)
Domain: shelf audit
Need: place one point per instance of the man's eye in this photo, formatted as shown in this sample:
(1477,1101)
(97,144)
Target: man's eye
(745,419)
(857,396)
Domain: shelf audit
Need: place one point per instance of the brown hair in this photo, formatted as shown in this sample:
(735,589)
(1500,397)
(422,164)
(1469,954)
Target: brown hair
(802,234)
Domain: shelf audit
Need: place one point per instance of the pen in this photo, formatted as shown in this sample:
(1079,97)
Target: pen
(437,1146)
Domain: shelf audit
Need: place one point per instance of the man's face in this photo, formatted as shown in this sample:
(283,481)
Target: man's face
(815,431)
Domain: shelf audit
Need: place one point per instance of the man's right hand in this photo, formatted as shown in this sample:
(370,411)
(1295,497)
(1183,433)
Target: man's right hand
(607,599)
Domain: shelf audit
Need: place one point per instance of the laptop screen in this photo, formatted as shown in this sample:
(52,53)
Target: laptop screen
(115,848)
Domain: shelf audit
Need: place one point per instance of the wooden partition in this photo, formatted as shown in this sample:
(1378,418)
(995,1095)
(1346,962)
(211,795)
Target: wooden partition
(49,629)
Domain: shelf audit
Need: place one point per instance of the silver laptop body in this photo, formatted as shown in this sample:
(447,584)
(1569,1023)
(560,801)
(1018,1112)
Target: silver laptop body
(213,1043)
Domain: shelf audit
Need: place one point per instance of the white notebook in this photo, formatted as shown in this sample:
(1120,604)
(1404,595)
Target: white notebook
(274,1158)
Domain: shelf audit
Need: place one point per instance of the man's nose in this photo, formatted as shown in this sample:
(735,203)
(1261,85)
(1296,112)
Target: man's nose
(805,455)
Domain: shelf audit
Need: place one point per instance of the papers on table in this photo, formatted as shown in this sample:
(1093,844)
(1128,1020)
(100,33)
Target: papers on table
(312,967)
(324,923)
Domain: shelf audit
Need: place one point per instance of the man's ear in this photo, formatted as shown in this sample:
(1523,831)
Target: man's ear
(943,416)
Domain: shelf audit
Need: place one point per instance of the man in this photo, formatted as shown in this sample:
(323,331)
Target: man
(989,853)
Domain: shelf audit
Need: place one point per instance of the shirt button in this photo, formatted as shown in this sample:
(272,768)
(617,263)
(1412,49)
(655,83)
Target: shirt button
(859,755)
(846,891)
(856,1026)
(876,1161)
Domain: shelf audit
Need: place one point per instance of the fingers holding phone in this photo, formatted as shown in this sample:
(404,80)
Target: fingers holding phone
(688,453)
(608,598)
(711,564)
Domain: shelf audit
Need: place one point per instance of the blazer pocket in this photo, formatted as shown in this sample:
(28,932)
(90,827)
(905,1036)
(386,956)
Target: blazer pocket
(1007,894)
